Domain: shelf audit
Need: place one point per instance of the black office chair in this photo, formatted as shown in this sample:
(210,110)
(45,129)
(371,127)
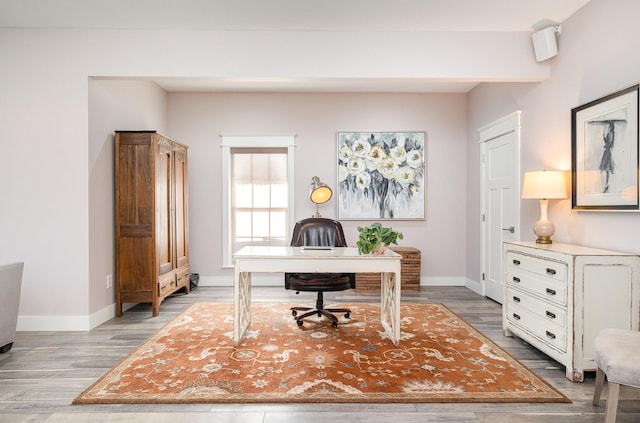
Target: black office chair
(318,231)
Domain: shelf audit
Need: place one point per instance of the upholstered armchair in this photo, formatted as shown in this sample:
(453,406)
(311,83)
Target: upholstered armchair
(318,231)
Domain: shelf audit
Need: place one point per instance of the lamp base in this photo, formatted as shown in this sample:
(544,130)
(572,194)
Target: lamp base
(544,240)
(544,229)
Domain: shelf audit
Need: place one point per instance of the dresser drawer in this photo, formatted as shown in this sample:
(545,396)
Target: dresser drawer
(544,268)
(167,285)
(542,309)
(547,332)
(182,278)
(547,288)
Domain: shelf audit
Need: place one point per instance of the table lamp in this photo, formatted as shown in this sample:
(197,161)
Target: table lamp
(544,185)
(320,193)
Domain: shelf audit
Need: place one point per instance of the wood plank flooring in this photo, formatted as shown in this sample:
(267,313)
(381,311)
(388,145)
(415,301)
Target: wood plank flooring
(45,371)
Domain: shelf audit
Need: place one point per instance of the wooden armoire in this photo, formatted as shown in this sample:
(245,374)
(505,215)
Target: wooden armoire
(151,217)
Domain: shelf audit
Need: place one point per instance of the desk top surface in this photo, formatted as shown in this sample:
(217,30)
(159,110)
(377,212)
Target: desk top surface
(253,252)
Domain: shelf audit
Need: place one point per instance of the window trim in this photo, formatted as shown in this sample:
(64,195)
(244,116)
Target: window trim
(251,141)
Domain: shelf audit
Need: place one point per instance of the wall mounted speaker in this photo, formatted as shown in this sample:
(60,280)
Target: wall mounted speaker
(545,44)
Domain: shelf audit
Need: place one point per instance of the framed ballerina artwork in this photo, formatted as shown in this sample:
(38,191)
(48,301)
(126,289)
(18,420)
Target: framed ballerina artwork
(604,156)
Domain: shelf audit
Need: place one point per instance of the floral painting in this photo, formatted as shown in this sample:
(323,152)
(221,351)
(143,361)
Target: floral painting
(381,175)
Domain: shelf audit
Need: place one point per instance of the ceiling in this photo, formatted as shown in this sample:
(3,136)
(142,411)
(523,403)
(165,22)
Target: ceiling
(293,15)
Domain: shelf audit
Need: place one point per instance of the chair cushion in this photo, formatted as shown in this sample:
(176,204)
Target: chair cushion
(616,353)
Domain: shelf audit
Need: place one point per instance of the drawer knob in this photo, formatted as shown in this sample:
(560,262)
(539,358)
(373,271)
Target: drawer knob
(551,271)
(516,299)
(516,280)
(551,291)
(516,316)
(551,335)
(516,262)
(551,315)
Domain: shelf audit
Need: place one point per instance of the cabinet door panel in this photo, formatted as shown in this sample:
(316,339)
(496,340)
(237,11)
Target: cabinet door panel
(134,199)
(608,295)
(163,207)
(181,212)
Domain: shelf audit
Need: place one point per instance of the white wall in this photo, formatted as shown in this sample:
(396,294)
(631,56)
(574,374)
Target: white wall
(113,105)
(598,56)
(43,116)
(49,207)
(198,119)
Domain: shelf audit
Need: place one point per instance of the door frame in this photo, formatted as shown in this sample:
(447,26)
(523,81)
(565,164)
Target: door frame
(488,132)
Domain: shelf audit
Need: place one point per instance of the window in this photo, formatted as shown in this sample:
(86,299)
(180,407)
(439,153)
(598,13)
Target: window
(258,191)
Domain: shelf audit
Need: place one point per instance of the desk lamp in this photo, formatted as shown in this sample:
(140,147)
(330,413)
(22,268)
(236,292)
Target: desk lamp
(320,193)
(544,185)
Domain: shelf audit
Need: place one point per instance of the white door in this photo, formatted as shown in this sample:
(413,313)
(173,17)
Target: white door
(500,155)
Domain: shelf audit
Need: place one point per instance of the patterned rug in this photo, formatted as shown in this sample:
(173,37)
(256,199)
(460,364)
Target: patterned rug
(439,359)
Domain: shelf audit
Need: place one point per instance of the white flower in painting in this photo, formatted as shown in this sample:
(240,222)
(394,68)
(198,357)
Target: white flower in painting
(375,156)
(342,173)
(398,153)
(406,175)
(360,147)
(388,167)
(414,159)
(363,180)
(356,165)
(345,153)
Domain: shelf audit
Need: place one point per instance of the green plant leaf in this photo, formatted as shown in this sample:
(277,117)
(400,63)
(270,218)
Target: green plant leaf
(374,236)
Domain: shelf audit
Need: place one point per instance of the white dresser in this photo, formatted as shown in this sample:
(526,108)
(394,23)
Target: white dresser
(557,297)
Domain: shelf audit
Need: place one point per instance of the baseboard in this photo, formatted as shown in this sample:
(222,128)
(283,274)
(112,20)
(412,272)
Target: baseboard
(442,281)
(474,286)
(85,323)
(53,323)
(67,323)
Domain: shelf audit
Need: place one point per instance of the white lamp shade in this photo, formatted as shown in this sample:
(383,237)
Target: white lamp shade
(544,185)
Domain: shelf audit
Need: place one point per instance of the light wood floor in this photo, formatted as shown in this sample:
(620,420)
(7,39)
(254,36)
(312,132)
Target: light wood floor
(45,371)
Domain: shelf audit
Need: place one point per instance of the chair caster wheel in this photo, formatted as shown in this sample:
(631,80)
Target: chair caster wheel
(334,324)
(347,315)
(299,322)
(294,313)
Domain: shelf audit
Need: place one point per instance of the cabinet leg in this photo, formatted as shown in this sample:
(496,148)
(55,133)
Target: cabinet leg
(575,375)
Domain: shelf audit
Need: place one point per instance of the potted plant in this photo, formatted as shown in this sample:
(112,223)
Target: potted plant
(375,238)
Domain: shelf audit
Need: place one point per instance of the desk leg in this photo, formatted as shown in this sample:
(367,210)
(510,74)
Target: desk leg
(390,305)
(242,304)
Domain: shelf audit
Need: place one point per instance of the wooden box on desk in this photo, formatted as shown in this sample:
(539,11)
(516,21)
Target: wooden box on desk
(410,268)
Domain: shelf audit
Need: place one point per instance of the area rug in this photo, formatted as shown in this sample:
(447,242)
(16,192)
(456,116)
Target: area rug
(440,358)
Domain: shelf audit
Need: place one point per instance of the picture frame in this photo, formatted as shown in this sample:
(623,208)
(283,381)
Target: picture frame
(604,157)
(381,175)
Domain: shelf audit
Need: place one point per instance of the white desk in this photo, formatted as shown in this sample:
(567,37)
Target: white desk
(297,260)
